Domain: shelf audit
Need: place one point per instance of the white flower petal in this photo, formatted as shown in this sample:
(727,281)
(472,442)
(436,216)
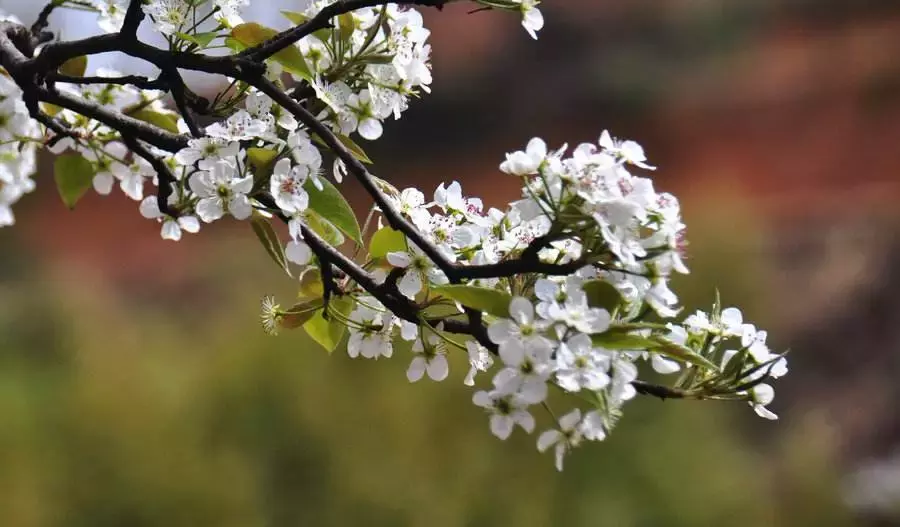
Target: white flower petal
(416,369)
(438,369)
(548,439)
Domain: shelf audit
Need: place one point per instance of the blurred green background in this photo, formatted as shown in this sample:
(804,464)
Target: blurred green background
(137,389)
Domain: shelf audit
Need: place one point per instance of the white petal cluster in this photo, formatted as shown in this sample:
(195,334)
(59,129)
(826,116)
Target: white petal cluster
(18,146)
(111,14)
(386,60)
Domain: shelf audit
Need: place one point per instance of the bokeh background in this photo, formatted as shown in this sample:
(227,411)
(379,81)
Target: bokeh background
(136,388)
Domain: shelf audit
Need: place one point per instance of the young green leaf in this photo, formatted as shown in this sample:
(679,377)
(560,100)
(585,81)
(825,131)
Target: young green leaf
(74,175)
(601,293)
(262,161)
(330,204)
(295,17)
(618,339)
(354,148)
(311,284)
(300,313)
(270,241)
(251,34)
(323,228)
(386,240)
(74,67)
(347,26)
(329,333)
(480,298)
(621,340)
(166,120)
(200,39)
(682,353)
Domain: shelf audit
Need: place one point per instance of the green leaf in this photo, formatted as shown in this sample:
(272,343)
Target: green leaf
(323,228)
(300,313)
(74,67)
(251,34)
(331,205)
(622,340)
(311,284)
(386,240)
(50,109)
(376,59)
(354,148)
(618,339)
(601,293)
(270,241)
(329,333)
(683,353)
(295,17)
(490,301)
(74,175)
(201,39)
(347,26)
(166,120)
(262,161)
(234,44)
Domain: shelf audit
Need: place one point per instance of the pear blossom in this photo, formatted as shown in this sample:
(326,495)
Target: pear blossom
(523,163)
(520,328)
(220,191)
(420,270)
(168,15)
(430,358)
(172,227)
(480,360)
(629,151)
(286,186)
(580,366)
(507,410)
(563,440)
(370,333)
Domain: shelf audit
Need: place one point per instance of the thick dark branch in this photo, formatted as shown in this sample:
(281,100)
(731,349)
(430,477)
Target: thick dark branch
(179,94)
(133,17)
(515,267)
(118,121)
(137,81)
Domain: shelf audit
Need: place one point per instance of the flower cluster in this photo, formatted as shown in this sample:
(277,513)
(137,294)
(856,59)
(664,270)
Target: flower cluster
(19,137)
(562,297)
(368,70)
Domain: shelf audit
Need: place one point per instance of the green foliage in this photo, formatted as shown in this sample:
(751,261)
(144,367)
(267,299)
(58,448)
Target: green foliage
(350,144)
(479,298)
(74,67)
(601,293)
(251,34)
(386,240)
(270,241)
(324,228)
(330,204)
(73,175)
(329,333)
(619,339)
(166,120)
(200,39)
